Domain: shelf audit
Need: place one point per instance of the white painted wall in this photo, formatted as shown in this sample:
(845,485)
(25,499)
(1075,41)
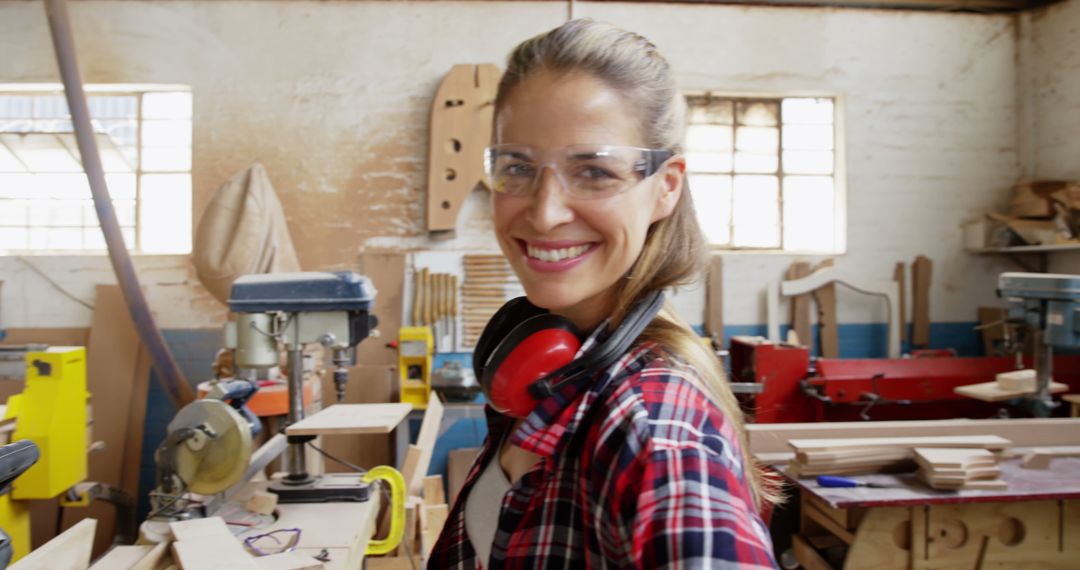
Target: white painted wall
(1051,76)
(333,98)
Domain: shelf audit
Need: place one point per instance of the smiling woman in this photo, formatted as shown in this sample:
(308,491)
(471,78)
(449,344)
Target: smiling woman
(632,454)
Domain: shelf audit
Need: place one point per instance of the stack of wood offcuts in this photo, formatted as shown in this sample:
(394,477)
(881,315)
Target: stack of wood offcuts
(945,462)
(958,468)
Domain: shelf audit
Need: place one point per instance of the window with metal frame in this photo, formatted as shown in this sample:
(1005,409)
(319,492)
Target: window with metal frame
(144,137)
(765,172)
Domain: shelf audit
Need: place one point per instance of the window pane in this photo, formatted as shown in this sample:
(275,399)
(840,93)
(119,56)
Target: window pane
(165,210)
(757,211)
(18,186)
(125,212)
(758,113)
(757,139)
(166,133)
(41,152)
(746,162)
(94,239)
(14,212)
(712,201)
(66,213)
(121,186)
(808,162)
(166,159)
(37,237)
(172,105)
(710,111)
(62,186)
(50,106)
(113,106)
(816,111)
(13,238)
(65,238)
(16,106)
(8,162)
(708,162)
(809,213)
(808,137)
(708,138)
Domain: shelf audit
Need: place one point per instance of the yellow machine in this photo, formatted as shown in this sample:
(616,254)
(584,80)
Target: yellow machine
(416,346)
(51,412)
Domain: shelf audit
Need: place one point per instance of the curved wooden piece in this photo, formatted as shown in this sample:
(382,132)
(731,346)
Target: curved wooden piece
(461,121)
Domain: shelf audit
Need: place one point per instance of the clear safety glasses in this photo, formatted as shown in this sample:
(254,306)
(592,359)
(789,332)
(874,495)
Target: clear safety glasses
(585,171)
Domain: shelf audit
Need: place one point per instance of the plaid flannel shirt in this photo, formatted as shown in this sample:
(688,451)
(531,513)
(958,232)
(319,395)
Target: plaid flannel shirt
(639,469)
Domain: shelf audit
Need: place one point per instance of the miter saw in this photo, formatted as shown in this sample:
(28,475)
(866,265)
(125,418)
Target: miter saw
(207,450)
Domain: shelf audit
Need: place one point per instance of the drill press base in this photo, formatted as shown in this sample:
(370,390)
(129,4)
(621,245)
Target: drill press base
(332,487)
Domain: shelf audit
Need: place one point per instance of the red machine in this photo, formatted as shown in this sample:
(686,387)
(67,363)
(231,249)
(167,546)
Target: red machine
(798,389)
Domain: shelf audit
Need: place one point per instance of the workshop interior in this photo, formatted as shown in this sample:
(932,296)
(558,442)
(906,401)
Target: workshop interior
(247,255)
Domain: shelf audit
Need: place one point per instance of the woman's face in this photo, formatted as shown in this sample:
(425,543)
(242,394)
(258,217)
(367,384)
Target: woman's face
(568,252)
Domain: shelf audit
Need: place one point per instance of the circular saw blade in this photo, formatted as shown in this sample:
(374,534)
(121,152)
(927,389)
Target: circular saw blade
(217,461)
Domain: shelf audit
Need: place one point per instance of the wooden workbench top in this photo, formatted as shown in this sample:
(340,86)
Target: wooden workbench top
(1061,481)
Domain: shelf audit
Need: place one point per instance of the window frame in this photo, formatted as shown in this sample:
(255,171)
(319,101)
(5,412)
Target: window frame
(839,174)
(139,91)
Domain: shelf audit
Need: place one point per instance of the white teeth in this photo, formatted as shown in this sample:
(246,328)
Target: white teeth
(553,255)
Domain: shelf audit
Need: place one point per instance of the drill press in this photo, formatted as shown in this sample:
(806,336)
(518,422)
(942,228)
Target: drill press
(291,310)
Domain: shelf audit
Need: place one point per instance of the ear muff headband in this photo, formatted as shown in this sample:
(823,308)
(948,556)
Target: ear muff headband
(533,349)
(608,351)
(526,364)
(514,312)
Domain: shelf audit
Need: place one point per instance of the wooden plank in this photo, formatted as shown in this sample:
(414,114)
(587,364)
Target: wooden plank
(461,118)
(122,557)
(288,561)
(1022,432)
(1040,458)
(433,490)
(937,458)
(800,305)
(352,419)
(112,359)
(213,553)
(154,558)
(981,441)
(458,465)
(900,276)
(386,269)
(411,464)
(714,299)
(368,384)
(877,543)
(921,271)
(70,550)
(806,555)
(825,298)
(195,529)
(993,392)
(432,520)
(827,523)
(425,440)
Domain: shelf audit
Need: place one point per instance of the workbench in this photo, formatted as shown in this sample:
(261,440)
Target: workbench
(1035,523)
(342,529)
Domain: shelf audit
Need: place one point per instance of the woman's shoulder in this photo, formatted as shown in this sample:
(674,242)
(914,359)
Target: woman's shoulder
(668,404)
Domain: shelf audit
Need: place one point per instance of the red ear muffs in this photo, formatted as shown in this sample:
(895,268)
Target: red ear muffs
(532,350)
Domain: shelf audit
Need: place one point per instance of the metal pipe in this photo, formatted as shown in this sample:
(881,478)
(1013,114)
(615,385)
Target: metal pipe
(168,373)
(296,466)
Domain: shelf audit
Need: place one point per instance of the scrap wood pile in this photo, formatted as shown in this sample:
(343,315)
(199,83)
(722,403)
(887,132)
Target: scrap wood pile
(857,456)
(1040,212)
(954,468)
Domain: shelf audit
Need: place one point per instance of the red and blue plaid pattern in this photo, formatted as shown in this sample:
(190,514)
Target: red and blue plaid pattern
(639,470)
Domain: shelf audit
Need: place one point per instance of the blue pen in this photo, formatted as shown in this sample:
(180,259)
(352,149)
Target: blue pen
(836,481)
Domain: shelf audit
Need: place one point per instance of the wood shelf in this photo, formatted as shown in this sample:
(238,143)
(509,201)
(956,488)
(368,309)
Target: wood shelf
(1028,248)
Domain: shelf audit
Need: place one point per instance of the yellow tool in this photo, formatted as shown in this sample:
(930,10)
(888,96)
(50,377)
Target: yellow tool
(415,348)
(51,412)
